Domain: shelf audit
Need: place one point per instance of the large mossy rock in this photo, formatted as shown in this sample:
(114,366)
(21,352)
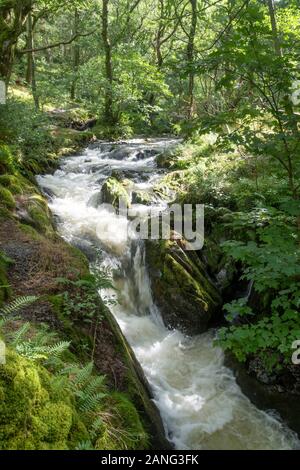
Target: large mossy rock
(32,415)
(114,191)
(187,298)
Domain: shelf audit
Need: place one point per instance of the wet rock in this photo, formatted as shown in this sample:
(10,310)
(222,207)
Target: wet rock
(113,192)
(266,391)
(95,200)
(141,197)
(87,248)
(182,289)
(120,153)
(140,155)
(105,169)
(48,193)
(118,175)
(23,216)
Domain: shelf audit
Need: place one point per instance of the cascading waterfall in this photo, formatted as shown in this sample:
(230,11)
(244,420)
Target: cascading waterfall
(201,405)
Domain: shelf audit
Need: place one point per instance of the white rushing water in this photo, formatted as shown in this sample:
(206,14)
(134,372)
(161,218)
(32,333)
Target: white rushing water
(201,405)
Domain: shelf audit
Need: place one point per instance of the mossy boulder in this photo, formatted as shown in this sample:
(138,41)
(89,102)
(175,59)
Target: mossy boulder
(33,210)
(32,417)
(128,430)
(113,192)
(6,160)
(17,184)
(142,197)
(171,187)
(187,297)
(7,200)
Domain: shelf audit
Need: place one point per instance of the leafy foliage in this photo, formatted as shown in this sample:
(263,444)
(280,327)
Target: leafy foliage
(272,266)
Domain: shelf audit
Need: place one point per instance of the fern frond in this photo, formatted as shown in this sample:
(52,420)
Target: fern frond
(18,335)
(44,336)
(82,375)
(96,427)
(57,349)
(70,369)
(31,351)
(95,385)
(85,445)
(17,305)
(88,403)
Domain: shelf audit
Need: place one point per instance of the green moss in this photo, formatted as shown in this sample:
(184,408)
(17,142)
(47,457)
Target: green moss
(6,198)
(181,284)
(28,230)
(29,417)
(141,197)
(125,431)
(40,215)
(79,258)
(114,191)
(6,160)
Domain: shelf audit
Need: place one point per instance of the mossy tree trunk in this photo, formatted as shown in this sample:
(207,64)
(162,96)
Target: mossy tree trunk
(13,16)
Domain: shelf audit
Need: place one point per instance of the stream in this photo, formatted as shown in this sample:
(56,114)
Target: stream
(200,403)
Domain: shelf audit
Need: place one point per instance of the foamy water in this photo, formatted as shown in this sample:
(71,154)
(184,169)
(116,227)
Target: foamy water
(201,405)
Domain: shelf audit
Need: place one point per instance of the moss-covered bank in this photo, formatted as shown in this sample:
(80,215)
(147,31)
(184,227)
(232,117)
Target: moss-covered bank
(35,261)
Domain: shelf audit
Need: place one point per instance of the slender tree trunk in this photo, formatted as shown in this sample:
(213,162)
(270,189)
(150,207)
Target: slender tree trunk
(76,56)
(190,59)
(31,67)
(29,45)
(108,109)
(272,13)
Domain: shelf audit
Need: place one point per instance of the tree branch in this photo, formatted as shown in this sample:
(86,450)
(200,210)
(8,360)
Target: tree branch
(58,44)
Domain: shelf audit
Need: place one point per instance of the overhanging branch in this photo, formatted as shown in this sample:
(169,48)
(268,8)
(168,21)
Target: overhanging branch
(58,44)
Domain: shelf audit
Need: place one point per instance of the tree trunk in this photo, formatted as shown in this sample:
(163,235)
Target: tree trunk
(31,67)
(190,59)
(12,24)
(76,56)
(276,40)
(108,109)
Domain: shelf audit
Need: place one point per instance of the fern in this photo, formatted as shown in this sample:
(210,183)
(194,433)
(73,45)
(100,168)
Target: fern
(4,321)
(18,335)
(17,305)
(96,426)
(81,375)
(85,445)
(44,336)
(89,390)
(31,351)
(88,403)
(96,383)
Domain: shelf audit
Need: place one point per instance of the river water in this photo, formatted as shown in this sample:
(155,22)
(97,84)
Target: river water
(200,403)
